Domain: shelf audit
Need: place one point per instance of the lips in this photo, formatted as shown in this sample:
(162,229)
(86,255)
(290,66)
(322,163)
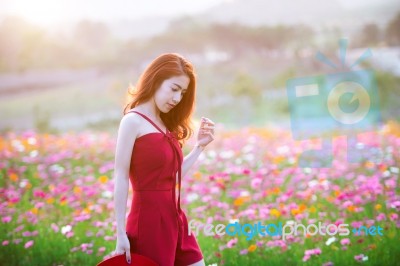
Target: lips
(170,105)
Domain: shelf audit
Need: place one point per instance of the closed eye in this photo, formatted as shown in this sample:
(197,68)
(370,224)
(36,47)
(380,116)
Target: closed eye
(173,89)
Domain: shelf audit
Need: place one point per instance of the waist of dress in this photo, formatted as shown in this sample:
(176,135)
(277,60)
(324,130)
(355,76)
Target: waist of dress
(153,190)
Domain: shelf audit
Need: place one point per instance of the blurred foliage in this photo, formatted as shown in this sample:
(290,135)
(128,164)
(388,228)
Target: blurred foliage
(393,31)
(389,93)
(245,86)
(371,35)
(242,70)
(280,79)
(25,46)
(42,121)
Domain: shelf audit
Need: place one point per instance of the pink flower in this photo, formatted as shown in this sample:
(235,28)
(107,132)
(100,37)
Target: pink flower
(393,216)
(329,263)
(6,219)
(231,243)
(381,217)
(26,233)
(390,183)
(347,204)
(39,205)
(244,252)
(84,246)
(255,183)
(310,252)
(5,242)
(74,249)
(17,241)
(356,224)
(345,241)
(19,228)
(54,227)
(39,194)
(360,257)
(246,171)
(29,244)
(100,233)
(102,249)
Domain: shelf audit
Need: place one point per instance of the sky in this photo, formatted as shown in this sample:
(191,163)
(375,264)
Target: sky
(45,12)
(51,12)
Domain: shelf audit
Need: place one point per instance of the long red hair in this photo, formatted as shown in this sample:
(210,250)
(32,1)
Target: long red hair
(165,66)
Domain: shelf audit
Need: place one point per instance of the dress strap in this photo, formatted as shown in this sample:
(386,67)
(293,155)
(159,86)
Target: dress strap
(148,119)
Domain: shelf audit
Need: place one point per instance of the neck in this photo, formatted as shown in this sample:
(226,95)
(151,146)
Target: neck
(150,108)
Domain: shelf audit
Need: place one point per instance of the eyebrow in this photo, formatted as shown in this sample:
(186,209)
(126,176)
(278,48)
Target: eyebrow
(179,86)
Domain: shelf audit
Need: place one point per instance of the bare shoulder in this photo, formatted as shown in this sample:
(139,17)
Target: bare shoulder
(130,123)
(127,133)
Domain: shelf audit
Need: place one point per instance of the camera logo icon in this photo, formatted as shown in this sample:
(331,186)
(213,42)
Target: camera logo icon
(345,102)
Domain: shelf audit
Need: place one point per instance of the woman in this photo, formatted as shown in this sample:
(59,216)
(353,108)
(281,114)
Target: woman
(155,125)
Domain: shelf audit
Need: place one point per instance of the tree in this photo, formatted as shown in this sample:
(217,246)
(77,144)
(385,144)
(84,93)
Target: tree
(370,35)
(393,31)
(244,85)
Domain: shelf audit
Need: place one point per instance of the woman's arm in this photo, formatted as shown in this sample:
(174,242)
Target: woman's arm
(204,137)
(127,134)
(189,159)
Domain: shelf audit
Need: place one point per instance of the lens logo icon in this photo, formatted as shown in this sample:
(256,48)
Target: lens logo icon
(360,97)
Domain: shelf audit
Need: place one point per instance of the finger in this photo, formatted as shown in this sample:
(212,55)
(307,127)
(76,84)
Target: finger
(208,127)
(128,257)
(208,121)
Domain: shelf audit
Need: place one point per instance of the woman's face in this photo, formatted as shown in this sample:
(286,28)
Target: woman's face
(170,92)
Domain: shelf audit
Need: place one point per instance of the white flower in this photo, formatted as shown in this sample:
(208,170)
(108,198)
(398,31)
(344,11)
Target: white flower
(23,183)
(31,141)
(227,154)
(107,194)
(290,222)
(312,183)
(394,170)
(66,229)
(232,221)
(282,149)
(244,193)
(192,196)
(330,240)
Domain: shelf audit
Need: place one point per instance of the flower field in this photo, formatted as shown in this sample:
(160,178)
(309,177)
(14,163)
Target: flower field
(56,196)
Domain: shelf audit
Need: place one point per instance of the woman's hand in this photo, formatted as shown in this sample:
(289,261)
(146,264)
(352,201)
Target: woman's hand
(206,132)
(123,246)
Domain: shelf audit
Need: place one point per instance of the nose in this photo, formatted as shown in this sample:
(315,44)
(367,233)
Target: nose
(176,98)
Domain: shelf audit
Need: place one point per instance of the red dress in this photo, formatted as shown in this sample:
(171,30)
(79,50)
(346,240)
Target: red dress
(156,225)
